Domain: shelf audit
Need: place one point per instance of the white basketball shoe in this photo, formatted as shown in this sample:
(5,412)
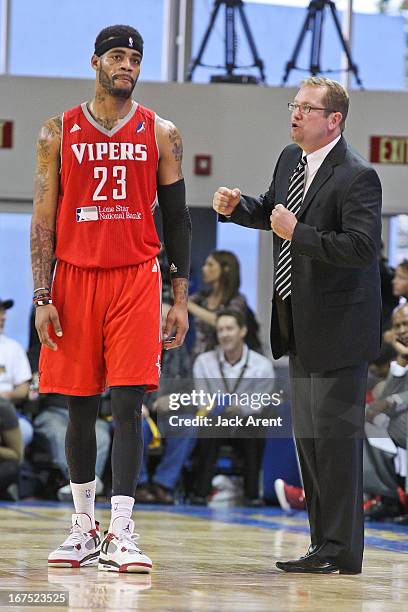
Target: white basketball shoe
(82,546)
(119,552)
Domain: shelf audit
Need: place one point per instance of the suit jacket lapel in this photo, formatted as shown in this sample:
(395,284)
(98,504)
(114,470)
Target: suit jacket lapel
(325,171)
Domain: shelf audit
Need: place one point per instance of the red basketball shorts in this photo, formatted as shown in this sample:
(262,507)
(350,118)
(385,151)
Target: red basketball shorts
(111,324)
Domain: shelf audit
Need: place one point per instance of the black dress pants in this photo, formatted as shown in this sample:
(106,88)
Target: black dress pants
(328,422)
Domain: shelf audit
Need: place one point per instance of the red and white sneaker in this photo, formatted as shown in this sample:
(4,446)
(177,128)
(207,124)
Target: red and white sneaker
(289,497)
(82,546)
(119,553)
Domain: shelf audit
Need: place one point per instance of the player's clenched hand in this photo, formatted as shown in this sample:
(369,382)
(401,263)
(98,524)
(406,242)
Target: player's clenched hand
(225,200)
(44,316)
(177,319)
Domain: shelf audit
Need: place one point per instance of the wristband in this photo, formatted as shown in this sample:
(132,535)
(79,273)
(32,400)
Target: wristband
(47,289)
(41,296)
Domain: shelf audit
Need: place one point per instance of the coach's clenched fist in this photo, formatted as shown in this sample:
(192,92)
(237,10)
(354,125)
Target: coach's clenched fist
(283,222)
(225,200)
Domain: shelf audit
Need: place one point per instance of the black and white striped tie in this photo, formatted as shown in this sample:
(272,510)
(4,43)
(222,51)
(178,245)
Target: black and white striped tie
(293,203)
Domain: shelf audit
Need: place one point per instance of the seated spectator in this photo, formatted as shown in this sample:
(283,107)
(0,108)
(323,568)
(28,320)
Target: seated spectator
(11,450)
(400,281)
(51,424)
(399,289)
(221,272)
(15,372)
(231,368)
(378,371)
(175,378)
(386,431)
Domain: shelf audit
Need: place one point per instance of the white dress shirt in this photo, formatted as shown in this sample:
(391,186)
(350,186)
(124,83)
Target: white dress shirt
(315,160)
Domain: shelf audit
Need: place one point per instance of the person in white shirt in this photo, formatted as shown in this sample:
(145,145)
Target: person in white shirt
(231,369)
(15,372)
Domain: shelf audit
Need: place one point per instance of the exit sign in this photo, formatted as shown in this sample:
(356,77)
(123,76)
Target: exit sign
(389,149)
(6,134)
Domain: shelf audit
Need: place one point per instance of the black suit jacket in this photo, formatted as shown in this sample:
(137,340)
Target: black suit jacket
(336,299)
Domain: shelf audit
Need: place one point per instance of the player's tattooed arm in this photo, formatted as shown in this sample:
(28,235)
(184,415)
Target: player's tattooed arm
(170,152)
(180,290)
(177,145)
(46,189)
(177,318)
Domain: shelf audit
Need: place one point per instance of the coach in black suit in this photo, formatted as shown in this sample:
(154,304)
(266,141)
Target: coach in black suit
(326,310)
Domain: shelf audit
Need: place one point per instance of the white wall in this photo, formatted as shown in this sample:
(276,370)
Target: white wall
(243,127)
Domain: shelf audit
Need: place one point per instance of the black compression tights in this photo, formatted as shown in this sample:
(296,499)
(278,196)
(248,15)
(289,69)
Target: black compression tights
(80,439)
(127,448)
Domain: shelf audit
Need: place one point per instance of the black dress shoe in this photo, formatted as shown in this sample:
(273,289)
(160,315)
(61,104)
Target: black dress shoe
(311,564)
(313,548)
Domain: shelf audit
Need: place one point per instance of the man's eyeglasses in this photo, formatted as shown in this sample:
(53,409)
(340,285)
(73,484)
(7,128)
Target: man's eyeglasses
(305,108)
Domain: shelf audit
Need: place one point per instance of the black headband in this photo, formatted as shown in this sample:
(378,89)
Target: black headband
(118,41)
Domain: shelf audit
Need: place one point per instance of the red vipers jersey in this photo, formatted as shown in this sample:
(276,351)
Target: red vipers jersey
(107,190)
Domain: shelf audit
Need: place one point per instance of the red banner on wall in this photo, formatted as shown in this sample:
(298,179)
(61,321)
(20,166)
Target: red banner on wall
(389,149)
(6,134)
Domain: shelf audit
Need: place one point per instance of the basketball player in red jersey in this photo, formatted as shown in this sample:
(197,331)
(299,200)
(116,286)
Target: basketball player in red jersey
(101,168)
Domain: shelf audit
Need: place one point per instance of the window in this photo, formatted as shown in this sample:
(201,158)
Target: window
(56,38)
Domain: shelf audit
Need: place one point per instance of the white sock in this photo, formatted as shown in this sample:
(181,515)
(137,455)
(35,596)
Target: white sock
(122,505)
(84,499)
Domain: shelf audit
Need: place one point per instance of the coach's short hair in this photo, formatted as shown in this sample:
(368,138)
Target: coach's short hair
(335,99)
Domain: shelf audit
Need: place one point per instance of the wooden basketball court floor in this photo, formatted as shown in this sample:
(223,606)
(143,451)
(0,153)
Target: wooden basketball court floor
(204,559)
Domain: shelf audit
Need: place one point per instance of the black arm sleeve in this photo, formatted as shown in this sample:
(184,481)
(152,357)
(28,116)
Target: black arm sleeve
(176,227)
